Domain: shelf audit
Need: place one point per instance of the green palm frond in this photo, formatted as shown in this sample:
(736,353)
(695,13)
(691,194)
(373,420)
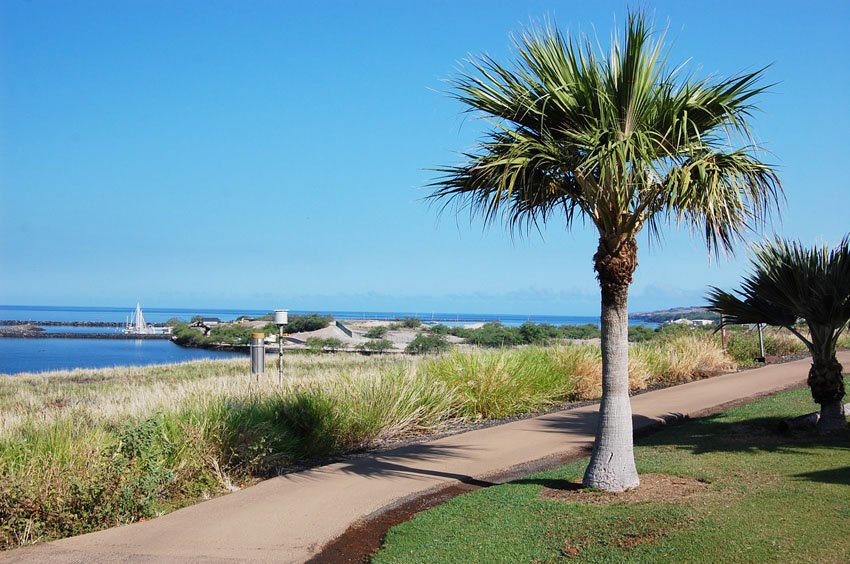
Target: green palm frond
(791,282)
(615,136)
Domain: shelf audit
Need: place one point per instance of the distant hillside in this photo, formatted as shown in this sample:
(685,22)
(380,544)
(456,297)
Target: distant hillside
(676,313)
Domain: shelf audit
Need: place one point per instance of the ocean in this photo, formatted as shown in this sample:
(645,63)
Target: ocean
(161,315)
(37,355)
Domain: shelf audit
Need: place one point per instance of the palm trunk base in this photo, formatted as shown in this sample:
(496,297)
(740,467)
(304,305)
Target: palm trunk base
(612,464)
(827,386)
(832,418)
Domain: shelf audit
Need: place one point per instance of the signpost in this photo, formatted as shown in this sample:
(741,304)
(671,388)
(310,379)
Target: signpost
(281,318)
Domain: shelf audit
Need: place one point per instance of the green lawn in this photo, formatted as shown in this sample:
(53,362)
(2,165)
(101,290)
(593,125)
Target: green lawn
(768,498)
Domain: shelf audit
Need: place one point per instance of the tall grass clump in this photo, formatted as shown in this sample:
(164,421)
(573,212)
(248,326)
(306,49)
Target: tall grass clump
(679,358)
(503,383)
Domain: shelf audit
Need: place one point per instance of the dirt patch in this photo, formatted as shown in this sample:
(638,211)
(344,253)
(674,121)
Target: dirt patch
(653,487)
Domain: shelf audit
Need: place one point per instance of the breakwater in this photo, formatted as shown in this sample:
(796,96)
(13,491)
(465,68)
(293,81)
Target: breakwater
(30,330)
(15,322)
(45,335)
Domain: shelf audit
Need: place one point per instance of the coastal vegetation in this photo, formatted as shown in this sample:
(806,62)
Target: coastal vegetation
(239,333)
(90,449)
(726,488)
(623,142)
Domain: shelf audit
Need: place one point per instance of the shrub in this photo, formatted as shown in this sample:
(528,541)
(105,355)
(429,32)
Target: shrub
(376,345)
(494,335)
(306,323)
(317,344)
(586,331)
(334,344)
(230,334)
(428,343)
(407,323)
(534,334)
(184,335)
(378,332)
(641,333)
(438,329)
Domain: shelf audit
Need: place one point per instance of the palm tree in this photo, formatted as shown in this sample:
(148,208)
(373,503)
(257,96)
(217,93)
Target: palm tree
(792,283)
(624,143)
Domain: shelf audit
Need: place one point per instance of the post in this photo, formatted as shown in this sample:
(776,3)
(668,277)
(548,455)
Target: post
(761,344)
(723,336)
(280,354)
(258,354)
(281,318)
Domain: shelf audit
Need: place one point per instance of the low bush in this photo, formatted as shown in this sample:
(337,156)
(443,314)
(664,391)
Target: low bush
(317,344)
(641,333)
(428,343)
(496,335)
(378,332)
(376,345)
(407,323)
(306,323)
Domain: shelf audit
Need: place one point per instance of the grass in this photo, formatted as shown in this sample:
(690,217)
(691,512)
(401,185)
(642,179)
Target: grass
(88,449)
(765,497)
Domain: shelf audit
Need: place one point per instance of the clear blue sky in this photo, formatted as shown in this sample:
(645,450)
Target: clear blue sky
(272,154)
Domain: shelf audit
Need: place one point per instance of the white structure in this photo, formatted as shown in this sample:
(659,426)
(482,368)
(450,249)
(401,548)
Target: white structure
(691,322)
(136,325)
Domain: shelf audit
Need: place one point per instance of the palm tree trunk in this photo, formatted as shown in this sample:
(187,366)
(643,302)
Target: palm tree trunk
(612,464)
(827,386)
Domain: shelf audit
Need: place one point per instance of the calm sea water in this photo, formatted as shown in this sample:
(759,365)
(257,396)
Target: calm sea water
(36,355)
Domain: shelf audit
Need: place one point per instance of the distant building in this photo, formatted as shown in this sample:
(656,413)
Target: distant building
(691,322)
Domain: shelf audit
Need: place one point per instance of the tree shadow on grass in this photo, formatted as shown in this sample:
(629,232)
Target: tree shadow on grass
(760,434)
(839,476)
(709,434)
(552,484)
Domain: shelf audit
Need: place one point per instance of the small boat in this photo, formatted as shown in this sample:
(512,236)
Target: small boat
(136,325)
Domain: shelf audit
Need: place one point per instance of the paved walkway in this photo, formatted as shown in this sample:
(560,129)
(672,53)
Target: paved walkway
(290,518)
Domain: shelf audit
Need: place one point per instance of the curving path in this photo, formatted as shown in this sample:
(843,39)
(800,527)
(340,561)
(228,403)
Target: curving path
(290,518)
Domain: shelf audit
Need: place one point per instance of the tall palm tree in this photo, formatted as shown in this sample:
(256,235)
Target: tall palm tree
(623,142)
(792,283)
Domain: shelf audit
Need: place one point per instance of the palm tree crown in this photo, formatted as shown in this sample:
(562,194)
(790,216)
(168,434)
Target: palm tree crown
(790,283)
(620,139)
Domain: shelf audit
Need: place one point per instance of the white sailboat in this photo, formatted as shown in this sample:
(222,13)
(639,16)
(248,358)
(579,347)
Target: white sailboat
(136,325)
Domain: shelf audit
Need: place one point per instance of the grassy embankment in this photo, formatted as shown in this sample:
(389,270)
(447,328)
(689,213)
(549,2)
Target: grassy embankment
(740,492)
(89,449)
